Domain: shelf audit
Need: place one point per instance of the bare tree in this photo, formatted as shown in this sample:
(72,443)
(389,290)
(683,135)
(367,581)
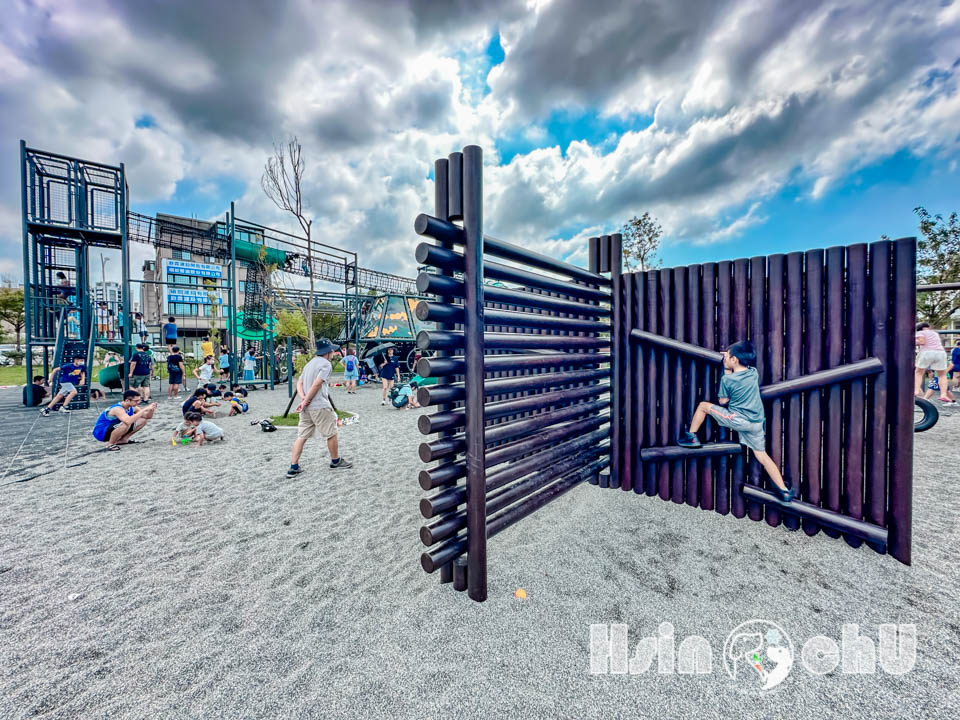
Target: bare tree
(282,182)
(641,242)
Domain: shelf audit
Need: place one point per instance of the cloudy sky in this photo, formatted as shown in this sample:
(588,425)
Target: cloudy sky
(745,126)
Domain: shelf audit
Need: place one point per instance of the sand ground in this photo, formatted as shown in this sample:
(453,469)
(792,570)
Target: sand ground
(187,582)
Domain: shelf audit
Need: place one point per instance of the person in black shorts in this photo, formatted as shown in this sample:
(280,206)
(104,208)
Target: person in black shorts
(175,370)
(389,372)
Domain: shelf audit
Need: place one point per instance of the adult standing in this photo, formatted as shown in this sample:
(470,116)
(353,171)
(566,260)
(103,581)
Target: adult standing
(175,370)
(316,410)
(930,356)
(141,370)
(170,333)
(119,422)
(389,372)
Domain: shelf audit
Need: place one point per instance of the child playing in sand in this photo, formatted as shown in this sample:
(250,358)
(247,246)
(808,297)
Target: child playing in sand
(198,403)
(196,428)
(236,405)
(740,392)
(410,393)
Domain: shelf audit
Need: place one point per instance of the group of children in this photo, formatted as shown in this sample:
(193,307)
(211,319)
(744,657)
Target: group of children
(203,404)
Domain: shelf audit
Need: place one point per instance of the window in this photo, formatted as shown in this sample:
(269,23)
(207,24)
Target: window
(243,286)
(185,309)
(182,280)
(181,254)
(210,260)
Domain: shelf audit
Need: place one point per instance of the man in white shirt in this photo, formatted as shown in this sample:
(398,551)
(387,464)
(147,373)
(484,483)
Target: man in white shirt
(316,410)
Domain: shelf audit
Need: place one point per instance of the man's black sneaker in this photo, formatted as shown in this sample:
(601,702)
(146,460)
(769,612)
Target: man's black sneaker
(344,463)
(688,440)
(294,471)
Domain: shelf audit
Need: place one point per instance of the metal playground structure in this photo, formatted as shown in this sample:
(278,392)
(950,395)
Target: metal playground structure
(70,206)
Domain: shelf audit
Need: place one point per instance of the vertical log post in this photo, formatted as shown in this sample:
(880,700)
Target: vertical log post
(901,398)
(474,372)
(880,324)
(793,338)
(852,499)
(813,406)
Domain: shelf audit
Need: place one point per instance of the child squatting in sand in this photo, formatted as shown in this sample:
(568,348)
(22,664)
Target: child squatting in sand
(196,428)
(740,392)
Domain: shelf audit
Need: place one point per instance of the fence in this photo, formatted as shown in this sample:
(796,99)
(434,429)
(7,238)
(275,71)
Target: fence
(565,373)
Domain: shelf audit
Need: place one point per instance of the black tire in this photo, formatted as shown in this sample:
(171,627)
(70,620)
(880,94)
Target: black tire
(929,416)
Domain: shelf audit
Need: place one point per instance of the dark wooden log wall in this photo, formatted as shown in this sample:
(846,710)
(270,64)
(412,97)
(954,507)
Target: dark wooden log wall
(846,444)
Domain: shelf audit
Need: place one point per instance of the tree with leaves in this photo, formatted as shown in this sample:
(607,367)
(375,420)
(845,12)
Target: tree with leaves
(641,242)
(282,182)
(938,262)
(12,311)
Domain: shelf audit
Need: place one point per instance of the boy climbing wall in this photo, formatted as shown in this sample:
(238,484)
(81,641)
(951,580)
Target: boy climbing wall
(740,392)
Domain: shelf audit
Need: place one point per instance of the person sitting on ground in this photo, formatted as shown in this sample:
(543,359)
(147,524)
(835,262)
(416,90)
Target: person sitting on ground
(212,390)
(141,370)
(35,392)
(197,429)
(120,422)
(930,356)
(740,392)
(236,405)
(204,371)
(170,333)
(175,370)
(198,402)
(72,376)
(238,389)
(351,371)
(206,346)
(96,394)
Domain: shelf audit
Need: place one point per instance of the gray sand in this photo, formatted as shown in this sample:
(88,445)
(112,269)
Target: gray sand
(162,582)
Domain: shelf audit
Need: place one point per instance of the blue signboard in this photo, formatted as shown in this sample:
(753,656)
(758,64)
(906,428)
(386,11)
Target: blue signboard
(197,297)
(184,267)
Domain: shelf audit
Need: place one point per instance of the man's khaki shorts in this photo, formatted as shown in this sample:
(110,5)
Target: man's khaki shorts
(320,420)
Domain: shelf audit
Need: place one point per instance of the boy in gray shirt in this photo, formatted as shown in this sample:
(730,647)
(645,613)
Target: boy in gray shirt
(740,392)
(196,428)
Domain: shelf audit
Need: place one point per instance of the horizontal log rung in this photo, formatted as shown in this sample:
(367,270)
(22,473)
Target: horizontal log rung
(859,528)
(675,452)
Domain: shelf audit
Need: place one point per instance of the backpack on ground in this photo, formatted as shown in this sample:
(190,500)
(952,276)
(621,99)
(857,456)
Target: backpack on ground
(267,426)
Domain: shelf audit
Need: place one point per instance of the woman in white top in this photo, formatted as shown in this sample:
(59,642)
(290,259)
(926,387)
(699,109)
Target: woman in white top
(930,356)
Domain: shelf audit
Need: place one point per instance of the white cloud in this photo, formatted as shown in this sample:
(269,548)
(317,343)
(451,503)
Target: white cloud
(746,95)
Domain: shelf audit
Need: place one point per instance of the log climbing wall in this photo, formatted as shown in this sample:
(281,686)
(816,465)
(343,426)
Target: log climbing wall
(550,375)
(833,331)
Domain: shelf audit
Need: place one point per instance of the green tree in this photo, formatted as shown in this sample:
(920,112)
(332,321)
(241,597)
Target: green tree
(12,311)
(292,324)
(641,242)
(938,262)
